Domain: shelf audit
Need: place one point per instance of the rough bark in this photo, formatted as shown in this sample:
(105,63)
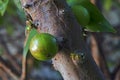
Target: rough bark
(55,17)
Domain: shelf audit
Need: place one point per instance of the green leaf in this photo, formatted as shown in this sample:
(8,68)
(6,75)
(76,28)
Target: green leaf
(26,47)
(103,27)
(97,22)
(18,4)
(3,6)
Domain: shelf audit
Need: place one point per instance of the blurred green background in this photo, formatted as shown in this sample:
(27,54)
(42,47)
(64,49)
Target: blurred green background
(12,36)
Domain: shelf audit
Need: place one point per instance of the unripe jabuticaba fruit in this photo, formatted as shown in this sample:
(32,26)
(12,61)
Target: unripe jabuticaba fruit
(43,46)
(81,14)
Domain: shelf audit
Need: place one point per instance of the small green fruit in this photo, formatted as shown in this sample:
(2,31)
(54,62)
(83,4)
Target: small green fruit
(43,46)
(81,14)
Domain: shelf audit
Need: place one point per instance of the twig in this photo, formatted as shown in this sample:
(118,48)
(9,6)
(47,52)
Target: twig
(117,76)
(116,73)
(8,64)
(24,61)
(98,55)
(95,51)
(23,75)
(7,70)
(3,75)
(9,57)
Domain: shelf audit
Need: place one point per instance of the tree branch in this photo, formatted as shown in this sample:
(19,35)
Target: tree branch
(9,56)
(7,70)
(3,75)
(116,73)
(63,63)
(23,74)
(98,54)
(55,17)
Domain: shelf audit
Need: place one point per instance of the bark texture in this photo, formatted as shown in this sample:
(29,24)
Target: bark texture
(55,17)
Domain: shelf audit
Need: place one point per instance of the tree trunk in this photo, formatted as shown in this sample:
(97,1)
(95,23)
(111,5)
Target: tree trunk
(55,17)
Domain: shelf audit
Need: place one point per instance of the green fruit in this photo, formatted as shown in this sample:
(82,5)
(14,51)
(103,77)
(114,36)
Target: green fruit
(81,14)
(97,22)
(43,46)
(74,2)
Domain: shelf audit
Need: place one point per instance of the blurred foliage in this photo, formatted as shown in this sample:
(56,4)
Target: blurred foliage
(1,50)
(13,14)
(3,6)
(107,4)
(12,18)
(18,4)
